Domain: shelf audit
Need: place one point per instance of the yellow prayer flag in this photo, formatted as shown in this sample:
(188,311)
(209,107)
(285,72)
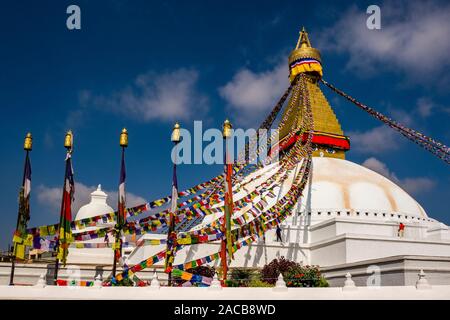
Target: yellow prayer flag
(43,231)
(186,276)
(20,251)
(186,240)
(17,239)
(51,230)
(28,240)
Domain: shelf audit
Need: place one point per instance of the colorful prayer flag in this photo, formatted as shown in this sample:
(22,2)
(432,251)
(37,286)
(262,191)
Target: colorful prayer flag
(24,211)
(65,229)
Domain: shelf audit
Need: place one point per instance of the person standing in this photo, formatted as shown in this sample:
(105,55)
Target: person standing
(279,234)
(401,230)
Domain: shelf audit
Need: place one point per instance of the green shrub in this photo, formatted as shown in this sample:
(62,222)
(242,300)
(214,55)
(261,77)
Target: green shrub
(323,282)
(240,277)
(304,276)
(259,283)
(232,283)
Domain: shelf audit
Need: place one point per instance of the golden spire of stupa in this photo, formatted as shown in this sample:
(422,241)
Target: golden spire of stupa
(328,139)
(303,40)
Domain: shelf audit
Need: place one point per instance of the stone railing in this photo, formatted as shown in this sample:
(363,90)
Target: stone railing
(421,291)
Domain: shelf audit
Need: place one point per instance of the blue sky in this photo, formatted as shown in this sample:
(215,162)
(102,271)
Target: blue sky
(146,64)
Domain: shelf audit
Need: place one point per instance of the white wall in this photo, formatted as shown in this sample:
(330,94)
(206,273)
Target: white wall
(171,293)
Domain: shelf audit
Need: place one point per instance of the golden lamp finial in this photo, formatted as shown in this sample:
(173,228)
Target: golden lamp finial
(176,133)
(227,129)
(28,144)
(124,138)
(68,140)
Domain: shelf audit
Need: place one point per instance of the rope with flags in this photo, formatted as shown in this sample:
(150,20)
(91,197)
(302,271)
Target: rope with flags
(266,124)
(435,147)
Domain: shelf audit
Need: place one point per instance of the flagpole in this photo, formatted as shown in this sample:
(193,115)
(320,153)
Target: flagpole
(226,226)
(120,218)
(175,138)
(27,146)
(68,141)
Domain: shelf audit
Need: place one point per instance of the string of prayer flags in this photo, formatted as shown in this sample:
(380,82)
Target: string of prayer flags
(193,278)
(63,283)
(142,265)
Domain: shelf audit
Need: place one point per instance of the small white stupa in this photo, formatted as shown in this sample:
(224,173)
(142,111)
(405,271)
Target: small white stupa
(96,207)
(97,256)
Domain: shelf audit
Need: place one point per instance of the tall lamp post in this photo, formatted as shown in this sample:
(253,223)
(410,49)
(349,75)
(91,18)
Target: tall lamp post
(68,144)
(171,233)
(226,245)
(120,218)
(24,206)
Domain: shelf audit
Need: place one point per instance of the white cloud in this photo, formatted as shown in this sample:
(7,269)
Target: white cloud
(413,38)
(380,167)
(414,185)
(424,107)
(168,96)
(376,140)
(50,197)
(417,185)
(250,95)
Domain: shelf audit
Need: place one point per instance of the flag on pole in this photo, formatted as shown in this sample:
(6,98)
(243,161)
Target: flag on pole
(122,196)
(121,218)
(174,201)
(171,234)
(20,237)
(226,251)
(65,230)
(228,209)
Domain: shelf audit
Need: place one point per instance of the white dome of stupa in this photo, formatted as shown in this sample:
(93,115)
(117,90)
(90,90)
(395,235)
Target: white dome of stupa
(349,189)
(97,206)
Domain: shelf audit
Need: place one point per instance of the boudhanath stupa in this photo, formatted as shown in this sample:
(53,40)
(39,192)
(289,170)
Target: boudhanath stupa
(333,213)
(346,220)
